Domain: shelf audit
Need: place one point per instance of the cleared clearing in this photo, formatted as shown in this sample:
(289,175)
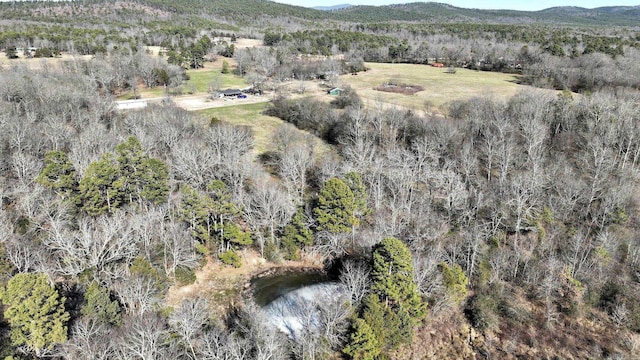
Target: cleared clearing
(262,126)
(223,286)
(249,115)
(201,78)
(41,63)
(440,87)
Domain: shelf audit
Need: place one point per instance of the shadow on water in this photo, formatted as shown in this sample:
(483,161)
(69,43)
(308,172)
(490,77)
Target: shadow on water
(267,289)
(294,300)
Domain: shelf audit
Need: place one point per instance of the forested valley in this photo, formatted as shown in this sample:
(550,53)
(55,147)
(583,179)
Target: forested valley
(497,227)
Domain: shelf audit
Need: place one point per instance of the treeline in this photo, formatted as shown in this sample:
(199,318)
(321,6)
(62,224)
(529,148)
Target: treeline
(247,12)
(64,38)
(89,40)
(429,12)
(587,73)
(442,42)
(328,42)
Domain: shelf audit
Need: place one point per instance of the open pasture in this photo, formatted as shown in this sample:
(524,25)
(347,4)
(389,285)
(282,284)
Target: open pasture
(440,87)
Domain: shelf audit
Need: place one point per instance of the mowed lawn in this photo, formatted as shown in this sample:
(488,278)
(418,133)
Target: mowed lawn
(198,82)
(262,126)
(440,87)
(201,78)
(250,115)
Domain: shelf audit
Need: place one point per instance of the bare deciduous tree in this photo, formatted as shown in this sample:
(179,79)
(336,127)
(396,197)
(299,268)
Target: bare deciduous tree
(268,209)
(354,276)
(294,163)
(139,294)
(97,245)
(89,339)
(189,320)
(142,337)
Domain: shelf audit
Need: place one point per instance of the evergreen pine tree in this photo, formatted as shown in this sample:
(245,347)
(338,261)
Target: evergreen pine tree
(35,312)
(99,306)
(223,209)
(360,195)
(394,306)
(455,280)
(362,344)
(392,277)
(58,173)
(98,187)
(296,235)
(141,178)
(195,210)
(335,211)
(233,235)
(155,181)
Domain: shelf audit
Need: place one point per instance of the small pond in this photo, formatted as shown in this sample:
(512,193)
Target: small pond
(292,301)
(269,288)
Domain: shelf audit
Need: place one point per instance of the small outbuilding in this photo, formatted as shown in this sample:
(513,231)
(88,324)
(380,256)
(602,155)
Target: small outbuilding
(231,93)
(335,91)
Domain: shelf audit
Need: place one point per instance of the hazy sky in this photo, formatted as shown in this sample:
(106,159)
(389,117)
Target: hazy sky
(487,4)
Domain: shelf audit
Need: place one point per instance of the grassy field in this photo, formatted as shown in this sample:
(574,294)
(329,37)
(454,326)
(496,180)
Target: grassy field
(261,125)
(249,115)
(440,87)
(198,82)
(200,79)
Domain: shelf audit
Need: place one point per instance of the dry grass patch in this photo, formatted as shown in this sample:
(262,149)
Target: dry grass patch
(399,88)
(224,286)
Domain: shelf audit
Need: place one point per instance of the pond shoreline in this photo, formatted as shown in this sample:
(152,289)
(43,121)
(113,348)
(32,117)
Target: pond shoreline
(253,280)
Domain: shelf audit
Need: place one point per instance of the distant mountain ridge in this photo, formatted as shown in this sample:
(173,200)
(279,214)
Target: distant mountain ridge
(245,12)
(333,7)
(435,12)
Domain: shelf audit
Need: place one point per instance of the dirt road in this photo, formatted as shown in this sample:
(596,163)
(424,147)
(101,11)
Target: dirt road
(195,102)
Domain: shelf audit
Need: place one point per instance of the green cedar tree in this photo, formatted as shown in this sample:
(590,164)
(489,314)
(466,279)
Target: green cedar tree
(362,343)
(99,306)
(98,187)
(296,235)
(335,211)
(58,174)
(35,312)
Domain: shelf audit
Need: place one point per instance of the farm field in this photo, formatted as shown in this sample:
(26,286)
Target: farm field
(440,88)
(199,79)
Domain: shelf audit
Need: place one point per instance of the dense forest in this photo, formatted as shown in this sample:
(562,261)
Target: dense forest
(490,228)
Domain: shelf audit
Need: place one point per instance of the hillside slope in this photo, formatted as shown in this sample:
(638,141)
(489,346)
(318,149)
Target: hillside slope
(247,11)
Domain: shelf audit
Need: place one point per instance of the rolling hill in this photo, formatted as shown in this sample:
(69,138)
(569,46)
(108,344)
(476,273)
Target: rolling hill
(246,12)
